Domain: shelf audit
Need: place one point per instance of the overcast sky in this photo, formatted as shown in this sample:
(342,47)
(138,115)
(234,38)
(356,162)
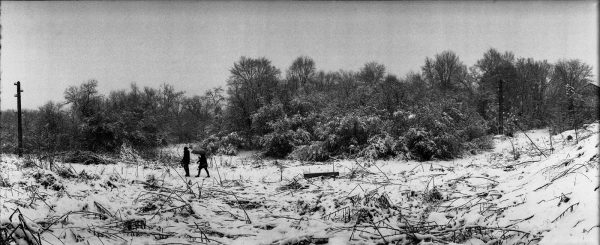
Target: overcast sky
(49,46)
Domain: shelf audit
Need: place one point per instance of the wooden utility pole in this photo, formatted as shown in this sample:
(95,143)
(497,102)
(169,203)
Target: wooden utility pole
(500,108)
(19,121)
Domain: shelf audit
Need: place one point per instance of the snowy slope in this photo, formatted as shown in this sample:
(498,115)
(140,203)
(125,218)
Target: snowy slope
(485,198)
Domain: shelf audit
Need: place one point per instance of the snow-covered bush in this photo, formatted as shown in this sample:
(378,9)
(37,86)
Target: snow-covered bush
(286,133)
(481,143)
(228,150)
(281,142)
(420,144)
(383,146)
(226,145)
(210,144)
(128,153)
(234,139)
(265,115)
(424,145)
(314,151)
(443,130)
(474,130)
(48,180)
(28,162)
(345,134)
(447,146)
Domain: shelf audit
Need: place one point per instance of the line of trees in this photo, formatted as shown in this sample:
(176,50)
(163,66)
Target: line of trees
(87,120)
(304,113)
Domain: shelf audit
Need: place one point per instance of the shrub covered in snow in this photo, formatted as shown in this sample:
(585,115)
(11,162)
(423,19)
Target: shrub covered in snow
(265,115)
(481,143)
(287,133)
(448,146)
(29,162)
(227,144)
(281,142)
(420,144)
(315,151)
(228,150)
(444,130)
(234,139)
(48,180)
(345,134)
(384,146)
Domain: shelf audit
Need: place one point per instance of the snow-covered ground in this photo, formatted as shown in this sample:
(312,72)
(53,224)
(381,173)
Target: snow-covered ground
(542,197)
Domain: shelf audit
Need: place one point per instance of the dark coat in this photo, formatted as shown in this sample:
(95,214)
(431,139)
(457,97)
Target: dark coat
(186,157)
(202,161)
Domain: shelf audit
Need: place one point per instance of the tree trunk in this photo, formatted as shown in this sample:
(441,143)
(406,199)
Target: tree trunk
(500,108)
(551,146)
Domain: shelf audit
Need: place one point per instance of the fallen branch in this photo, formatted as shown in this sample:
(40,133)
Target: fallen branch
(324,174)
(588,230)
(388,179)
(564,212)
(517,124)
(103,210)
(528,218)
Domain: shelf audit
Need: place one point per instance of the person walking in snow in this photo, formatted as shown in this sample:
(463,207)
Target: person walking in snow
(202,164)
(186,161)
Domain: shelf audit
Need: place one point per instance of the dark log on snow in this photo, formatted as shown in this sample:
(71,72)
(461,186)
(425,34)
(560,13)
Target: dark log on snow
(325,174)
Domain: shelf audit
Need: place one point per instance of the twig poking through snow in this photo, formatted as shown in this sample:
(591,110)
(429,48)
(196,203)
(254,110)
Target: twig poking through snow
(564,212)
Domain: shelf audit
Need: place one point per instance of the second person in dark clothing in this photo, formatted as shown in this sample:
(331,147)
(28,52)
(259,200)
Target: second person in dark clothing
(186,161)
(202,164)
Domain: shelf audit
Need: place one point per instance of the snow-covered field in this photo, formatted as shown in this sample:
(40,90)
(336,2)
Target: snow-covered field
(489,198)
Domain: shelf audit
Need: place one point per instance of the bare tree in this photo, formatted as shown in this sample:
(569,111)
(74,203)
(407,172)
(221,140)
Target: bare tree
(252,84)
(445,71)
(498,73)
(372,73)
(567,88)
(301,75)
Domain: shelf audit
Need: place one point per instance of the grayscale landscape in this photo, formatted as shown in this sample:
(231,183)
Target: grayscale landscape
(295,123)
